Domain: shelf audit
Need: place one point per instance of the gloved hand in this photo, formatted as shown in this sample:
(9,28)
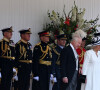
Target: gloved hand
(14,70)
(52,78)
(15,74)
(36,78)
(15,78)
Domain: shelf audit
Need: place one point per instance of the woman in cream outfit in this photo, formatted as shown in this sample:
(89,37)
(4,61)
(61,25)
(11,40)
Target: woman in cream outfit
(91,67)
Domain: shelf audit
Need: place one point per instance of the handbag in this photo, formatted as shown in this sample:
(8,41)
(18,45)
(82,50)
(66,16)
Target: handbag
(82,78)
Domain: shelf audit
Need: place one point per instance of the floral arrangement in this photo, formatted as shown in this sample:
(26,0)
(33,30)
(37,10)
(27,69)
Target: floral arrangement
(70,23)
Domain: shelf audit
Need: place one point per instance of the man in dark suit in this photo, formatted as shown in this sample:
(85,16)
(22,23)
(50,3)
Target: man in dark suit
(7,58)
(69,65)
(24,59)
(61,42)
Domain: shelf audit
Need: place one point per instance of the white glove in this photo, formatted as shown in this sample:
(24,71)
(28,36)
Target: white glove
(15,78)
(36,78)
(14,70)
(0,75)
(55,79)
(52,78)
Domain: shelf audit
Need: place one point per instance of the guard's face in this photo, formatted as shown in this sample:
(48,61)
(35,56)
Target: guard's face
(45,39)
(61,42)
(26,36)
(8,35)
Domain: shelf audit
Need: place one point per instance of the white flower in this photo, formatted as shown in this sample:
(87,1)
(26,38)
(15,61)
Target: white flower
(74,12)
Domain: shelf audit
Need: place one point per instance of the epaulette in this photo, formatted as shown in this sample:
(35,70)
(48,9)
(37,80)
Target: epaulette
(1,40)
(18,42)
(67,44)
(11,41)
(38,44)
(29,43)
(54,46)
(56,52)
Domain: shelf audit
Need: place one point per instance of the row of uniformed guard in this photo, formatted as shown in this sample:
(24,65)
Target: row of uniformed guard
(43,62)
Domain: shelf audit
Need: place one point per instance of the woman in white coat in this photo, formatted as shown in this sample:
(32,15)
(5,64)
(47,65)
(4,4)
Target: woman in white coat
(91,67)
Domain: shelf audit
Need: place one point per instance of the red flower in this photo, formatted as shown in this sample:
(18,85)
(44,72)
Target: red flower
(76,26)
(89,32)
(67,21)
(75,29)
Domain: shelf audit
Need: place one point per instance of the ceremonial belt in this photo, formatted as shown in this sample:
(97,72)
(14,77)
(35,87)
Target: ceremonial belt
(81,65)
(26,61)
(7,57)
(48,63)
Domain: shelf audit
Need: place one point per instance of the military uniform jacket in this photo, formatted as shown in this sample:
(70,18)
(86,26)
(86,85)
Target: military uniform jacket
(7,50)
(81,51)
(56,59)
(23,52)
(41,57)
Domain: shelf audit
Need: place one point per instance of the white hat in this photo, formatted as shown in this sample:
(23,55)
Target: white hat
(95,41)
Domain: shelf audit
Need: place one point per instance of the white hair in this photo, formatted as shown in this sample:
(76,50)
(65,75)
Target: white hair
(79,33)
(76,38)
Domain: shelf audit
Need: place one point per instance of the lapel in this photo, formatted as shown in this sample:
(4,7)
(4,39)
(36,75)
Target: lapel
(58,49)
(72,53)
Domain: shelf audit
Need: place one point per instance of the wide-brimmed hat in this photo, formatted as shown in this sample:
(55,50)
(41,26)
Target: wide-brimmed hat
(95,41)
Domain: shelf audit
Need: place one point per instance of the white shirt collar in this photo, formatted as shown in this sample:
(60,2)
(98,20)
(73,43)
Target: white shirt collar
(72,47)
(61,46)
(74,50)
(76,55)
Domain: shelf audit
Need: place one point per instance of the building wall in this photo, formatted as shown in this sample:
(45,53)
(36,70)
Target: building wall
(33,14)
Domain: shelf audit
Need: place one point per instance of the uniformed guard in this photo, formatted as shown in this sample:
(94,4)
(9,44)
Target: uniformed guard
(24,59)
(81,51)
(7,57)
(42,63)
(61,42)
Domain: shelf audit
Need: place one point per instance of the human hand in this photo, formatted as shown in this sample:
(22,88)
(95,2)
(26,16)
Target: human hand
(65,80)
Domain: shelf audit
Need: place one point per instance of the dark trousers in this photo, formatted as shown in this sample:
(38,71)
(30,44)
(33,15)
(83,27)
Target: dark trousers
(44,77)
(35,85)
(7,73)
(15,85)
(56,86)
(58,76)
(24,71)
(79,84)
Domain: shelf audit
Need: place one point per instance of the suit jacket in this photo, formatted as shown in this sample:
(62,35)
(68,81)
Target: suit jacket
(68,65)
(55,58)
